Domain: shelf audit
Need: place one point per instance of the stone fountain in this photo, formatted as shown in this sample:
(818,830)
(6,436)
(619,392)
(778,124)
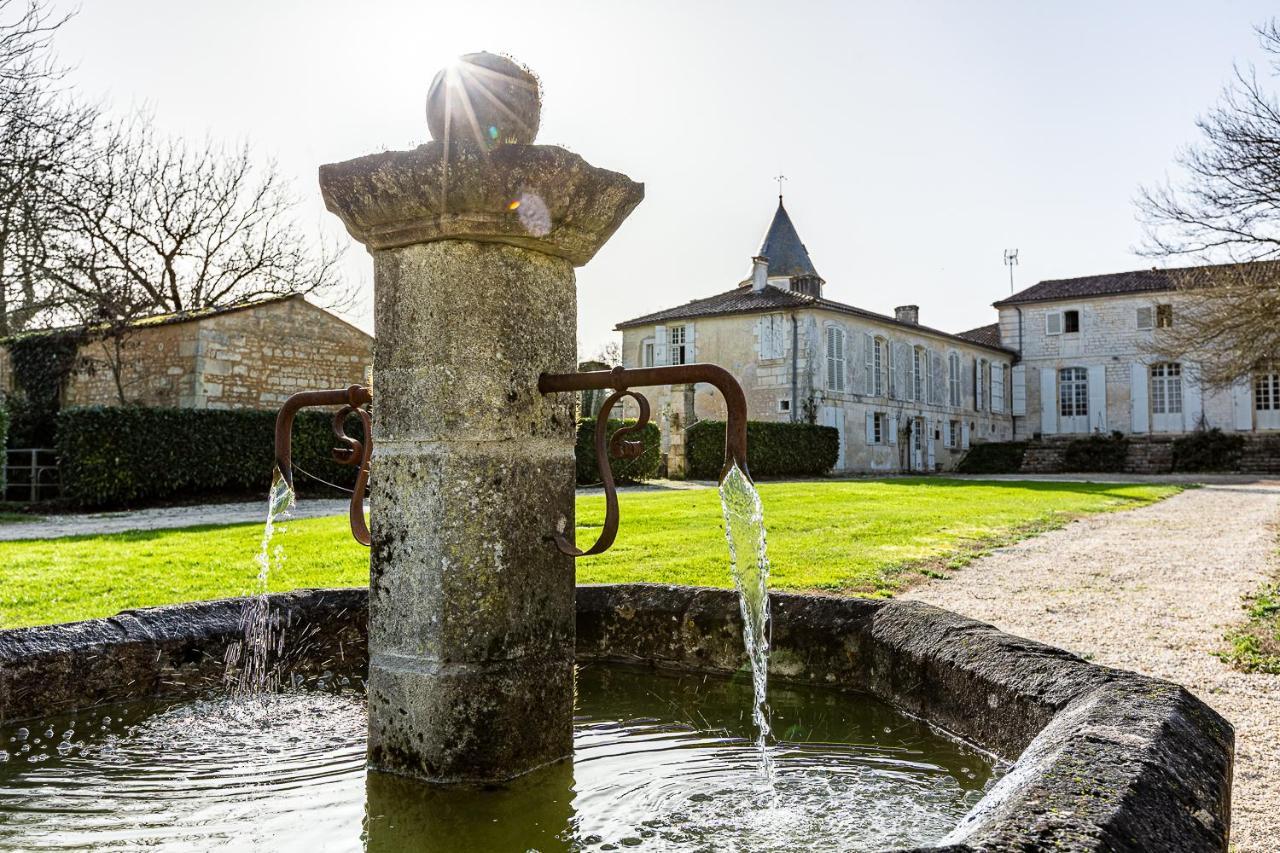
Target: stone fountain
(471,627)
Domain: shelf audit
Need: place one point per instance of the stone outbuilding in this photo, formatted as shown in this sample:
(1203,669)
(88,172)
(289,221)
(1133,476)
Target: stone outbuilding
(251,355)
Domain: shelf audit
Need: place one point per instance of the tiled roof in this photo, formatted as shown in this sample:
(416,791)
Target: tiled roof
(743,300)
(783,247)
(1138,281)
(988,335)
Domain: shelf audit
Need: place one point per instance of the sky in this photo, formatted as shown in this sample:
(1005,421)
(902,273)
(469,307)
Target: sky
(919,139)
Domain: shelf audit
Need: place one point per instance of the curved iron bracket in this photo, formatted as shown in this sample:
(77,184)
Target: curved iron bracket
(621,380)
(351,451)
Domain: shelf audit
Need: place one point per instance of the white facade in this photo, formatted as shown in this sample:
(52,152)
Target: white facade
(1086,366)
(902,397)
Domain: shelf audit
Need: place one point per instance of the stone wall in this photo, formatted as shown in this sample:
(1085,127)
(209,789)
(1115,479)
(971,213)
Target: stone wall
(245,358)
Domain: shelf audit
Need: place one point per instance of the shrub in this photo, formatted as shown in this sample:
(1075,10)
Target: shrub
(995,457)
(1207,450)
(774,449)
(643,467)
(1096,453)
(115,456)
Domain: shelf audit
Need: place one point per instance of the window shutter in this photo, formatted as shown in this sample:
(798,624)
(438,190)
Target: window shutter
(1048,401)
(690,345)
(871,428)
(1146,317)
(997,388)
(902,366)
(660,345)
(928,436)
(1139,397)
(937,374)
(869,356)
(1018,376)
(1053,323)
(964,435)
(893,429)
(1098,398)
(1242,403)
(1191,409)
(977,385)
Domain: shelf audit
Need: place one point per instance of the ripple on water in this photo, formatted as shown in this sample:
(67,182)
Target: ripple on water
(661,763)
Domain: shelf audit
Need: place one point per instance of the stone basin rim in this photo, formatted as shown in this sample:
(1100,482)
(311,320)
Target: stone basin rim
(1103,759)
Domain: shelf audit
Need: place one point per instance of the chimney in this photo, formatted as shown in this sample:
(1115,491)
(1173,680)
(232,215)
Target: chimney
(759,273)
(907,314)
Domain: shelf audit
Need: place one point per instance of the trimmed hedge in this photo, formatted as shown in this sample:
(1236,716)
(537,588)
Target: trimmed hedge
(116,456)
(1096,453)
(643,467)
(995,457)
(774,449)
(1207,450)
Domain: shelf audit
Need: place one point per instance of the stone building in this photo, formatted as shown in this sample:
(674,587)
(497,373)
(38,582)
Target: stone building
(247,356)
(903,396)
(1086,366)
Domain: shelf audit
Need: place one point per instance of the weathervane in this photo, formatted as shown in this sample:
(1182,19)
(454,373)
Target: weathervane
(779,179)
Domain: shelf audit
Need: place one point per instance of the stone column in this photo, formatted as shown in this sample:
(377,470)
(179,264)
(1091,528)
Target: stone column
(474,238)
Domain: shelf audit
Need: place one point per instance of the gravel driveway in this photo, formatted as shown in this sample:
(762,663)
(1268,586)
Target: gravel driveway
(1153,590)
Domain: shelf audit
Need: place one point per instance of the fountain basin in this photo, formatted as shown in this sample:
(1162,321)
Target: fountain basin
(1101,758)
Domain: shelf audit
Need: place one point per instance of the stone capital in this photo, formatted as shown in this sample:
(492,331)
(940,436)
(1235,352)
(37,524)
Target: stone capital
(537,197)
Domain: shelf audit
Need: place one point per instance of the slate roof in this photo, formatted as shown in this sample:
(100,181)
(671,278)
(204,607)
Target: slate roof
(783,247)
(988,335)
(743,300)
(1113,284)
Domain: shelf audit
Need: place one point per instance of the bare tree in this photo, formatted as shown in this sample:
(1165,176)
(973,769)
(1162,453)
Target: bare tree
(1226,209)
(42,138)
(154,225)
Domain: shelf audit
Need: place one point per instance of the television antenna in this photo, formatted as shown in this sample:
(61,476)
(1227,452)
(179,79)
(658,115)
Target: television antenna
(1011,261)
(780,179)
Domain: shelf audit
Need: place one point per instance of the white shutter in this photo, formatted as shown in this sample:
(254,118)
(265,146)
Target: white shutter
(1145,317)
(928,426)
(660,345)
(1048,401)
(893,429)
(1242,403)
(690,345)
(902,369)
(997,387)
(764,331)
(1098,398)
(1019,382)
(869,356)
(1191,407)
(871,427)
(964,435)
(1139,396)
(1053,323)
(937,378)
(889,354)
(978,385)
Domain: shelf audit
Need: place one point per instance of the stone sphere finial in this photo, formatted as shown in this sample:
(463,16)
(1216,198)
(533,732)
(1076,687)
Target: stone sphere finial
(486,99)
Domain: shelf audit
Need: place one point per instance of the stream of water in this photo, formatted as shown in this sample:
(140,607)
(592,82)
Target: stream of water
(749,564)
(249,670)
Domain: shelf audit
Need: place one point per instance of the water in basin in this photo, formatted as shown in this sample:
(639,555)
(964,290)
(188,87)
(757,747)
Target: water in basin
(661,762)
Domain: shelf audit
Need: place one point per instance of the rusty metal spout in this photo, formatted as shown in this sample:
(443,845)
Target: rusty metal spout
(622,380)
(351,451)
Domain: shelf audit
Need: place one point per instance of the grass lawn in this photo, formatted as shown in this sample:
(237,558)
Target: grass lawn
(858,536)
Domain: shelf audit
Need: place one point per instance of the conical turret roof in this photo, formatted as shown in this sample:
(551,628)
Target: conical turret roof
(784,249)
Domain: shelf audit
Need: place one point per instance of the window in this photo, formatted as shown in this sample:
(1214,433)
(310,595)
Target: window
(1166,388)
(1053,323)
(953,379)
(878,363)
(1266,391)
(1070,321)
(953,433)
(878,428)
(678,349)
(1145,317)
(1164,316)
(835,358)
(784,406)
(646,353)
(979,383)
(773,339)
(1073,392)
(919,370)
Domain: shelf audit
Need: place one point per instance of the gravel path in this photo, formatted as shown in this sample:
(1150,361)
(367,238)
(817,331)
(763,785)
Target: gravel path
(1153,590)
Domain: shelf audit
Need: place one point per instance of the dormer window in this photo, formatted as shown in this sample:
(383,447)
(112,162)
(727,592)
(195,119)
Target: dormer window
(1164,316)
(1062,322)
